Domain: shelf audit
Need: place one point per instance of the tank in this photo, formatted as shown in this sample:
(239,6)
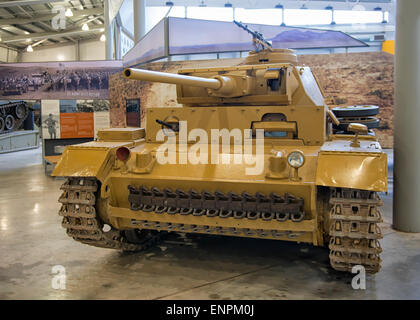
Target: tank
(12,115)
(278,171)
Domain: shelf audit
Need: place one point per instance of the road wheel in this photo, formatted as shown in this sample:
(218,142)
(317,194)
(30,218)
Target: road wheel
(9,122)
(1,124)
(20,111)
(370,122)
(355,111)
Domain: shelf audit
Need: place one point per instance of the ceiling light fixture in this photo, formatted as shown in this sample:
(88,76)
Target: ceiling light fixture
(85,27)
(102,38)
(68,13)
(330,8)
(29,49)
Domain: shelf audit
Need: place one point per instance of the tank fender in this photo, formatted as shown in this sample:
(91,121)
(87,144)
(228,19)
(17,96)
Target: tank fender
(358,170)
(85,162)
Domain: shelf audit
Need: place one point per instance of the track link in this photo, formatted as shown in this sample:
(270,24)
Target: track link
(82,223)
(354,231)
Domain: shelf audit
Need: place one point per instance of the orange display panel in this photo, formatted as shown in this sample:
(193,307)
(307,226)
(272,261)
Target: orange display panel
(77,125)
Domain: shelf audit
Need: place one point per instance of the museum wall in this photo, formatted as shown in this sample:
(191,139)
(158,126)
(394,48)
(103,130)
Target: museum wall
(355,78)
(8,55)
(88,50)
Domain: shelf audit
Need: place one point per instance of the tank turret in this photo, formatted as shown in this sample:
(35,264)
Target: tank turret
(266,77)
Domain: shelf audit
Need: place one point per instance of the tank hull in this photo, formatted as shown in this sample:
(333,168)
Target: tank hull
(250,154)
(129,191)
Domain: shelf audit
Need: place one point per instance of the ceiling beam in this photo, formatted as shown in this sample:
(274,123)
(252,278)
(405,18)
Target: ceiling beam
(51,35)
(47,17)
(25,3)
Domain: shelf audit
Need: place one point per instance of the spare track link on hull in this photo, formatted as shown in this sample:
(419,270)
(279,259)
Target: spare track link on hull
(223,205)
(354,231)
(83,224)
(222,231)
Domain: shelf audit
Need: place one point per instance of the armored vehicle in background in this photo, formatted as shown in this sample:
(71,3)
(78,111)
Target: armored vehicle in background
(314,186)
(12,115)
(15,87)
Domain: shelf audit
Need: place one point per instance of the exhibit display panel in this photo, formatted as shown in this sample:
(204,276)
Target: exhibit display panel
(169,38)
(151,47)
(226,36)
(65,119)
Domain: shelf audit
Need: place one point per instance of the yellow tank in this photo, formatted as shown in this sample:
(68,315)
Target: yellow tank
(251,153)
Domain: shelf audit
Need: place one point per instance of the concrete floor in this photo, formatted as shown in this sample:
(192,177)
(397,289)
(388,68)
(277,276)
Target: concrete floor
(32,242)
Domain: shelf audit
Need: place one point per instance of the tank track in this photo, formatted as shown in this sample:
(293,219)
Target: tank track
(83,224)
(12,115)
(354,231)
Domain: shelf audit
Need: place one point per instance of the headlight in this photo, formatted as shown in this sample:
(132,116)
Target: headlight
(296,159)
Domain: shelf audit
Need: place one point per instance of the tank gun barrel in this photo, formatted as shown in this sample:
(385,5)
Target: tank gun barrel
(155,76)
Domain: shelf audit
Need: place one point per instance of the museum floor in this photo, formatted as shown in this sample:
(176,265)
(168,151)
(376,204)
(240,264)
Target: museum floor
(32,242)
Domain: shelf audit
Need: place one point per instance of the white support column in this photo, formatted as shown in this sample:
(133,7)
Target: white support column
(406,118)
(77,50)
(139,16)
(109,52)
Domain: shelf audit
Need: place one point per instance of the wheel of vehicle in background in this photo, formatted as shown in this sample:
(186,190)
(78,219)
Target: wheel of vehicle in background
(20,111)
(370,122)
(9,122)
(1,124)
(355,111)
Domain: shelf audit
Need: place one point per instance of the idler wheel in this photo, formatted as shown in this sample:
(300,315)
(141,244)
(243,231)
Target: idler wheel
(281,216)
(1,124)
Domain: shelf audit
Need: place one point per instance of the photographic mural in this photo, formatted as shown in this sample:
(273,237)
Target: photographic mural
(57,80)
